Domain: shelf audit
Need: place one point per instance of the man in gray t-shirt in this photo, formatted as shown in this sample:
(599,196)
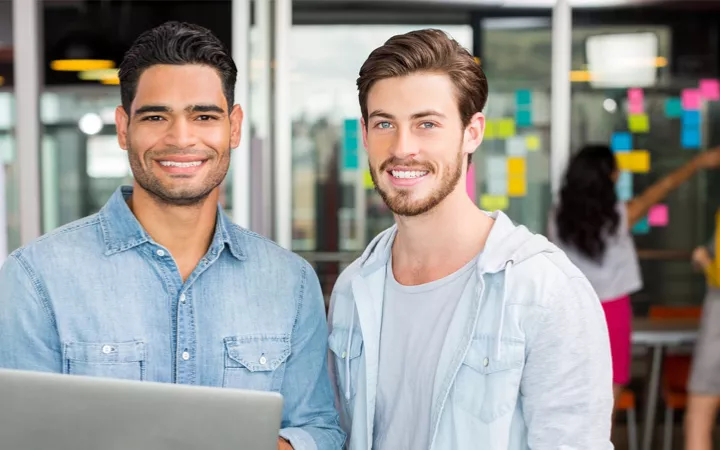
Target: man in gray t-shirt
(410,347)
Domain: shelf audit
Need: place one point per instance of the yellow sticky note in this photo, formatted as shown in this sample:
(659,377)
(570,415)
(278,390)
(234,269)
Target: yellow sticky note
(637,161)
(638,123)
(516,167)
(490,130)
(506,128)
(532,143)
(517,186)
(367,180)
(494,202)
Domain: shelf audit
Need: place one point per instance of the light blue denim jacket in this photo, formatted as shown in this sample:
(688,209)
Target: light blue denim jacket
(525,363)
(98,297)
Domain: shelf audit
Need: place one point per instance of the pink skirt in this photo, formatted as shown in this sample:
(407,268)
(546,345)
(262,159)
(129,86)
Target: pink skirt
(618,314)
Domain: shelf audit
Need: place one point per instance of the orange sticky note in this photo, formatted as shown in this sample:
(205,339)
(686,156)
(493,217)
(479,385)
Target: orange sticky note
(516,167)
(517,187)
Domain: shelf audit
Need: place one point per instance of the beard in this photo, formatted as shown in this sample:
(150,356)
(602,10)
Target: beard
(401,203)
(178,195)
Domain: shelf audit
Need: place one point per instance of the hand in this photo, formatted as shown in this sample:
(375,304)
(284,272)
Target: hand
(284,445)
(701,258)
(709,159)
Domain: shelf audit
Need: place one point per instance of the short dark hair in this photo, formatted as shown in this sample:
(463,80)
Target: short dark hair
(176,43)
(428,50)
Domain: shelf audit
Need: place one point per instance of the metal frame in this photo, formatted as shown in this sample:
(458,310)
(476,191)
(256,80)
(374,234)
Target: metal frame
(282,126)
(560,92)
(241,159)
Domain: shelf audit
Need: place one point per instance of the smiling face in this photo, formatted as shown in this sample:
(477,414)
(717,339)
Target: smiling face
(416,141)
(179,133)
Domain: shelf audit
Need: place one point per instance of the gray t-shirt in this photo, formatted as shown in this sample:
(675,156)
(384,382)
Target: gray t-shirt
(415,322)
(618,271)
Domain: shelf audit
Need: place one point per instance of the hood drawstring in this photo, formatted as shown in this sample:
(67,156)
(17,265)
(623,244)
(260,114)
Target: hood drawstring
(508,266)
(347,357)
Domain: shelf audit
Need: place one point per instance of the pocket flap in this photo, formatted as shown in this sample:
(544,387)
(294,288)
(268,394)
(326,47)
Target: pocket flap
(482,355)
(105,352)
(258,353)
(338,343)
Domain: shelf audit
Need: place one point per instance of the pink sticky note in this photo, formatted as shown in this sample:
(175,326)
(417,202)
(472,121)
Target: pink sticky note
(470,182)
(691,99)
(658,216)
(710,89)
(636,97)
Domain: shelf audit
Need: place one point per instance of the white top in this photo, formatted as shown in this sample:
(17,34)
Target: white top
(617,273)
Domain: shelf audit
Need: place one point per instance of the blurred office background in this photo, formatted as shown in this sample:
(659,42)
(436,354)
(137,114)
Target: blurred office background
(559,77)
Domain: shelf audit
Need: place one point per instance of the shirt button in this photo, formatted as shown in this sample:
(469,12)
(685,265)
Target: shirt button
(182,298)
(185,356)
(344,354)
(106,349)
(486,362)
(160,253)
(263,360)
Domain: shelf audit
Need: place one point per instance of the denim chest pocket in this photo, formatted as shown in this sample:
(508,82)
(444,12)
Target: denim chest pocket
(255,362)
(346,353)
(488,385)
(122,360)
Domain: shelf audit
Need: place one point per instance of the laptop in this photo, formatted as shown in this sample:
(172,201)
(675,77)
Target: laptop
(40,411)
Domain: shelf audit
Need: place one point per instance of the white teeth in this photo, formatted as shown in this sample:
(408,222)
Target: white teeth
(180,164)
(409,173)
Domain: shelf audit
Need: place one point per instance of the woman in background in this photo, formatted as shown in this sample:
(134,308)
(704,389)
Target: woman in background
(593,228)
(704,381)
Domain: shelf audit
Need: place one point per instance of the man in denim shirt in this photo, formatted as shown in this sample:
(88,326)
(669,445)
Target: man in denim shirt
(160,285)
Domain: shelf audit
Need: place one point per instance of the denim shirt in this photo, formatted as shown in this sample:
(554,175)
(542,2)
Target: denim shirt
(99,297)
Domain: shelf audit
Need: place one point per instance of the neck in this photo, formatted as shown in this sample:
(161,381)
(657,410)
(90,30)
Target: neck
(186,231)
(453,232)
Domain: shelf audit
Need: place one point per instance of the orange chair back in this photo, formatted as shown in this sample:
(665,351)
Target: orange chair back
(675,312)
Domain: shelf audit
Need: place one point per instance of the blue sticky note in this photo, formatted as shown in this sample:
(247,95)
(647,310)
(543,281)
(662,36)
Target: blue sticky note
(523,97)
(523,118)
(673,107)
(690,138)
(642,226)
(621,142)
(624,186)
(351,143)
(690,119)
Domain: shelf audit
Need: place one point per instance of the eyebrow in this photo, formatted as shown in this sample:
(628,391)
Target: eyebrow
(382,114)
(188,109)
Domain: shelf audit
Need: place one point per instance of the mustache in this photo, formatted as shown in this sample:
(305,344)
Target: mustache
(393,161)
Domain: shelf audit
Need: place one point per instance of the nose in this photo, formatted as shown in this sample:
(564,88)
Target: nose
(181,134)
(404,145)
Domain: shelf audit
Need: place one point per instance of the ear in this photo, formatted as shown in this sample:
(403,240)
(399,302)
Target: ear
(474,133)
(363,125)
(121,125)
(236,119)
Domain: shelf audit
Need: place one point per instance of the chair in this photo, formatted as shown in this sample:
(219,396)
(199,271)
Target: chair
(675,369)
(626,402)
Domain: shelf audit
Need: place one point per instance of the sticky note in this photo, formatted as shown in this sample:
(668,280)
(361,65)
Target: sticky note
(523,97)
(497,186)
(658,216)
(496,167)
(532,143)
(490,130)
(367,180)
(516,167)
(691,98)
(494,202)
(641,227)
(690,138)
(673,107)
(690,118)
(636,161)
(638,123)
(621,142)
(636,99)
(351,143)
(710,89)
(506,128)
(517,187)
(470,181)
(523,118)
(516,146)
(624,186)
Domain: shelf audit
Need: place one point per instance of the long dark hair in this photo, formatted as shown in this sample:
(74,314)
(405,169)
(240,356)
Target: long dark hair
(587,211)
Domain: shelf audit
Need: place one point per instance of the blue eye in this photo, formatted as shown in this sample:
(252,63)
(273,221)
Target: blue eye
(427,125)
(383,125)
